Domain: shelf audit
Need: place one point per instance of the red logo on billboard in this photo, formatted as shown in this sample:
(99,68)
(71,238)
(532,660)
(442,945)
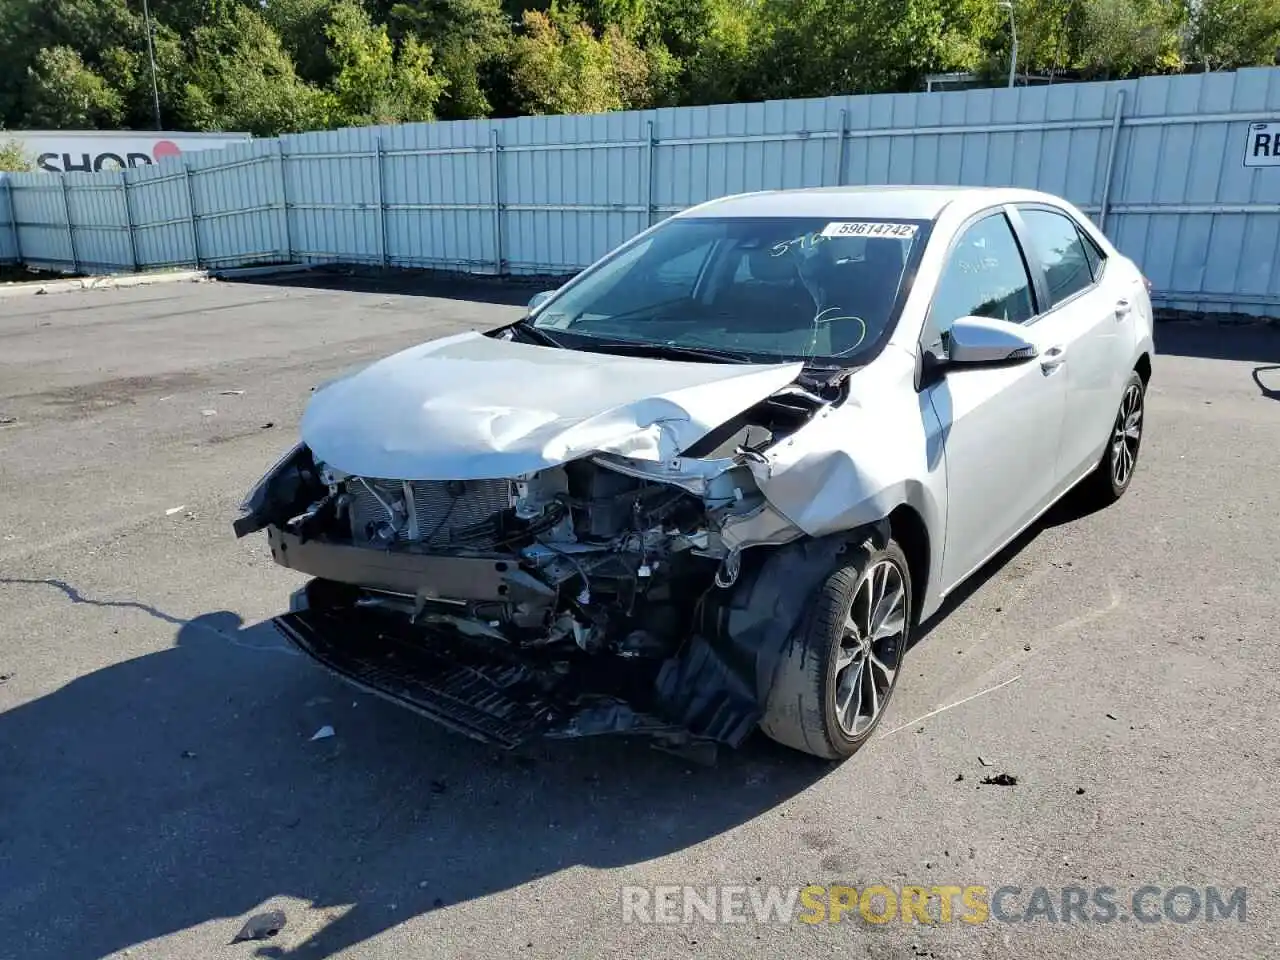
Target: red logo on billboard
(165,148)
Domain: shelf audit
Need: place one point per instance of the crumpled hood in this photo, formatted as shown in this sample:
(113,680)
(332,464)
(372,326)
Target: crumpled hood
(473,407)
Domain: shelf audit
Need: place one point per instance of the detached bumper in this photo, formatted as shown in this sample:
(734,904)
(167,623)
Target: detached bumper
(483,691)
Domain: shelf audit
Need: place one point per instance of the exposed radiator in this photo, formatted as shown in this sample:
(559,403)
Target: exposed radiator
(440,511)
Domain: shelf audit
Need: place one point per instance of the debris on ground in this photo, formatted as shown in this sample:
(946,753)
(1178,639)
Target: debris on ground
(208,413)
(8,420)
(1026,646)
(324,733)
(261,926)
(1112,716)
(188,755)
(1079,791)
(231,393)
(984,761)
(172,510)
(268,425)
(317,701)
(1000,780)
(439,786)
(959,777)
(5,677)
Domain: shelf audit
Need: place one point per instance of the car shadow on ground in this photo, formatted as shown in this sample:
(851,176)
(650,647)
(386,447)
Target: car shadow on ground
(504,291)
(182,788)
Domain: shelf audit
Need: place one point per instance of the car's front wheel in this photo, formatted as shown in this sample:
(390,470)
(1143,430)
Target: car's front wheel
(838,673)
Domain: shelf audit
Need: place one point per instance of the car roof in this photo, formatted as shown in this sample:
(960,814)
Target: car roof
(872,202)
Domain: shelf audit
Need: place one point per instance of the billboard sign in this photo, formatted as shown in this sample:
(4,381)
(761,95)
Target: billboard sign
(92,151)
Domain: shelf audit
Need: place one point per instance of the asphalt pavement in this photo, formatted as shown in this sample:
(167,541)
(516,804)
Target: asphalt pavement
(159,784)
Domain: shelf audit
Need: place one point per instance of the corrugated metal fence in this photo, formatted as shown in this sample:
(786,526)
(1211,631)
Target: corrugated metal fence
(1157,161)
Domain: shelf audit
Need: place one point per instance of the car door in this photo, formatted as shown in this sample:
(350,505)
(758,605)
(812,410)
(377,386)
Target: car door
(1001,425)
(1088,323)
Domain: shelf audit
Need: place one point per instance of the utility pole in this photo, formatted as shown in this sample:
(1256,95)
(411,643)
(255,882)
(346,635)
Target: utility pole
(151,56)
(1013,30)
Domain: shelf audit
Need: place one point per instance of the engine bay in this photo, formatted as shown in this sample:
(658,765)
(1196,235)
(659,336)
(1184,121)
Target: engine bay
(624,558)
(598,554)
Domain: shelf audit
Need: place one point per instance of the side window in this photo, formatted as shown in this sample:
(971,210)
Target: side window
(1056,243)
(682,271)
(985,276)
(1095,256)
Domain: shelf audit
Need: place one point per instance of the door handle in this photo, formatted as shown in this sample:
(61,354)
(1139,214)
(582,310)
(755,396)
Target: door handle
(1123,306)
(1052,359)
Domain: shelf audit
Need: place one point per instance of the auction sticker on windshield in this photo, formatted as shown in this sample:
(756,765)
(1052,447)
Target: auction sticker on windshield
(864,229)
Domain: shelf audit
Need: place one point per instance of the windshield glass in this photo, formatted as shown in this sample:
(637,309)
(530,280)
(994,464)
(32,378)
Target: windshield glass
(776,288)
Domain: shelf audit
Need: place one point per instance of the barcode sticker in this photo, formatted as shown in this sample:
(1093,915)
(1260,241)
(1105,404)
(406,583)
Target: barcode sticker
(902,231)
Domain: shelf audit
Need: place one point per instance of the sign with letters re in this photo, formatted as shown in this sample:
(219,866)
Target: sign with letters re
(1262,149)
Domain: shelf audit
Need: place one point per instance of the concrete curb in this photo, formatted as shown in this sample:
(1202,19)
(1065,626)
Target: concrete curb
(108,282)
(124,280)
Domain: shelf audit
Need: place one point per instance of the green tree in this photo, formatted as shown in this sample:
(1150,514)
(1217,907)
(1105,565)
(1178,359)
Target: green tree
(13,159)
(301,26)
(721,55)
(242,79)
(1121,38)
(559,65)
(372,83)
(1225,34)
(64,93)
(472,39)
(824,47)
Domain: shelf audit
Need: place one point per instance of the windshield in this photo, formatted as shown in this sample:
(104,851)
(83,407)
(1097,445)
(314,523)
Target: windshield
(776,288)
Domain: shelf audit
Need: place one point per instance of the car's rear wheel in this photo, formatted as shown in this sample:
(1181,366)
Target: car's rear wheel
(1111,478)
(838,673)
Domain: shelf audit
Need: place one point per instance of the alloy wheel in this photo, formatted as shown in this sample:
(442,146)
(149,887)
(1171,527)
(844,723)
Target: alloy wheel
(871,647)
(1126,436)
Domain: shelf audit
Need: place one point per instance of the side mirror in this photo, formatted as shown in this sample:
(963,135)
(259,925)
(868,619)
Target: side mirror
(987,342)
(538,299)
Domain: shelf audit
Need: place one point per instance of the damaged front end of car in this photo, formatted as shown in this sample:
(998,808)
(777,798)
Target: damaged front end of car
(641,593)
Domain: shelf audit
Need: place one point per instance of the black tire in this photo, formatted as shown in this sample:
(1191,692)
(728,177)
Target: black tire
(1108,483)
(802,711)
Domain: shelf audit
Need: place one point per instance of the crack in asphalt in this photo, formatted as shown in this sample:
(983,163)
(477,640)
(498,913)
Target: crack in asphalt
(76,597)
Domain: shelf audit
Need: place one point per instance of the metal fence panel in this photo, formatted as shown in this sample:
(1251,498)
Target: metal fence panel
(160,205)
(41,218)
(235,196)
(99,221)
(1159,162)
(9,252)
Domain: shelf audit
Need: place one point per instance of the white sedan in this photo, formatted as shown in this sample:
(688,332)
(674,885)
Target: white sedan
(717,480)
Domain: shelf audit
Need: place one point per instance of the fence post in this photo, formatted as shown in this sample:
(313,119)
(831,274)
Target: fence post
(71,233)
(842,146)
(1111,160)
(128,220)
(650,152)
(191,211)
(382,203)
(494,147)
(13,220)
(283,161)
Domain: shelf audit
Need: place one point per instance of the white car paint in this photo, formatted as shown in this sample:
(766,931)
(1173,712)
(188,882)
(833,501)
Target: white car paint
(978,454)
(473,407)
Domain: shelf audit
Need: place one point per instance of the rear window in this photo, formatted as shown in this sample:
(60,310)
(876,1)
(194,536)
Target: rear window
(779,287)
